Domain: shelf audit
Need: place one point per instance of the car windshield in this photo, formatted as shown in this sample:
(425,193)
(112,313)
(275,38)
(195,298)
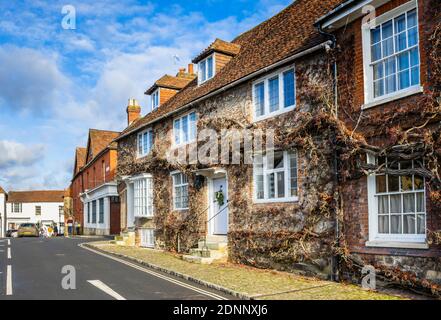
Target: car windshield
(27,225)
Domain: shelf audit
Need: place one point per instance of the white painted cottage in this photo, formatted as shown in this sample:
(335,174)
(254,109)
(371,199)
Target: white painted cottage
(2,212)
(42,207)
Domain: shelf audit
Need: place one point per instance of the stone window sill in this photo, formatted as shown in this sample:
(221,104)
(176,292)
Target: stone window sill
(403,245)
(394,96)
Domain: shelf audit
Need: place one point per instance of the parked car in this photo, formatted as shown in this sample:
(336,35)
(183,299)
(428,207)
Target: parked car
(28,230)
(11,233)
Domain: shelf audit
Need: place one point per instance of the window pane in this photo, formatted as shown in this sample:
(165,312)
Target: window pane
(375,35)
(387,30)
(393,182)
(420,202)
(400,23)
(278,160)
(409,224)
(383,224)
(418,182)
(395,203)
(412,36)
(411,19)
(288,88)
(395,224)
(259,95)
(390,84)
(381,183)
(271,186)
(383,204)
(388,47)
(403,61)
(415,76)
(406,183)
(145,141)
(184,123)
(281,184)
(293,174)
(140,143)
(273,87)
(378,71)
(414,57)
(400,41)
(376,52)
(409,203)
(193,126)
(379,88)
(421,224)
(203,70)
(210,67)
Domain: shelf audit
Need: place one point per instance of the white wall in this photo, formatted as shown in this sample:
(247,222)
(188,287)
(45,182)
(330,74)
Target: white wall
(49,212)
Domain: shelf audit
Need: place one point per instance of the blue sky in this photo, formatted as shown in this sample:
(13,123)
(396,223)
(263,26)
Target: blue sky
(57,83)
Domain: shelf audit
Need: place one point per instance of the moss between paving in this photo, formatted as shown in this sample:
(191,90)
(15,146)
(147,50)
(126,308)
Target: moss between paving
(261,284)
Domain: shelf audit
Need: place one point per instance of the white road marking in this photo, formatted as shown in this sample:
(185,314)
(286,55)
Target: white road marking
(9,280)
(9,242)
(9,253)
(100,285)
(158,275)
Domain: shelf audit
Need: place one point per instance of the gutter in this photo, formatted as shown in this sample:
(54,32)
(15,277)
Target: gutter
(233,84)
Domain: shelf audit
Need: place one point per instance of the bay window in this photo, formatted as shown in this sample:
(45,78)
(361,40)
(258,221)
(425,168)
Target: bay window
(143,197)
(397,206)
(391,55)
(180,191)
(275,177)
(274,94)
(145,142)
(185,129)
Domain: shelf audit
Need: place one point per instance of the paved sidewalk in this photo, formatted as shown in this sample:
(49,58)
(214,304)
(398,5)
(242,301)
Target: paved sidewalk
(243,281)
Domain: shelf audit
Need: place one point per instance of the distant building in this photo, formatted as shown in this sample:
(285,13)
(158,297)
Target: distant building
(2,212)
(41,207)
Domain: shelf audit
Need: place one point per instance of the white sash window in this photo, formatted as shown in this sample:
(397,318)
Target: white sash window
(143,196)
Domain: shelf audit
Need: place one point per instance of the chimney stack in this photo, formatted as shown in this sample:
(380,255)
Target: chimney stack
(190,68)
(133,111)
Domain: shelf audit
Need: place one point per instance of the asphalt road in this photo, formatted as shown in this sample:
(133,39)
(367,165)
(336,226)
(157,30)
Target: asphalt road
(31,268)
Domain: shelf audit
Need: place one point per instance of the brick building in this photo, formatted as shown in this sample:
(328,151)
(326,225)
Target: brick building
(95,198)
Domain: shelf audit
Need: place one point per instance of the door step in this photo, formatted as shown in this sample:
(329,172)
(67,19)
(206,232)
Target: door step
(208,252)
(126,238)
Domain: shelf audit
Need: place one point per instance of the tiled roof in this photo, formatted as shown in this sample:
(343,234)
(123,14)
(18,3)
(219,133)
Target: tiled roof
(219,46)
(99,140)
(80,158)
(289,32)
(36,196)
(171,82)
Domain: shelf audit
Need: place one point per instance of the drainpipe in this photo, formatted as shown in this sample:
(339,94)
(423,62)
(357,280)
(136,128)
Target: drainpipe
(335,259)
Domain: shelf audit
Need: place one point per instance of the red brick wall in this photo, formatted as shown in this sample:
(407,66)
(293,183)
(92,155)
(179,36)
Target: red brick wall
(351,84)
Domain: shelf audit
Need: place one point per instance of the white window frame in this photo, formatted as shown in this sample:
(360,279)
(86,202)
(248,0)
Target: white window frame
(267,114)
(101,214)
(143,196)
(369,100)
(201,72)
(389,240)
(16,207)
(181,132)
(156,95)
(140,140)
(181,185)
(147,237)
(266,171)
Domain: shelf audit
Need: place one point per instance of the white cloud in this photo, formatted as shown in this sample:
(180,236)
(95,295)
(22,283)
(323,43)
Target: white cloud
(13,153)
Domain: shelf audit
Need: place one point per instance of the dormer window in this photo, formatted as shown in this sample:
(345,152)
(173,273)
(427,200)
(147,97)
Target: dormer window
(155,99)
(206,69)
